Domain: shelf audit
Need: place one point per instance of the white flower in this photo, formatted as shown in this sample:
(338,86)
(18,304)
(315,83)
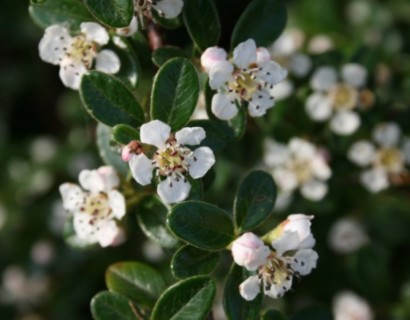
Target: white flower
(298,165)
(172,160)
(320,43)
(375,179)
(95,206)
(349,306)
(248,77)
(346,236)
(249,251)
(362,153)
(77,54)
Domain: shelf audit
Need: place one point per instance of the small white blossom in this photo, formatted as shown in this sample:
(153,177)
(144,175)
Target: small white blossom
(349,306)
(298,165)
(172,161)
(95,206)
(249,251)
(78,54)
(346,236)
(249,76)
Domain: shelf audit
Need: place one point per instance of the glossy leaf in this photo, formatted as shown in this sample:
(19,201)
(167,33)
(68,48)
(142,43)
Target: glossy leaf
(273,315)
(109,305)
(124,134)
(238,124)
(163,54)
(190,299)
(313,313)
(114,13)
(189,261)
(202,225)
(175,93)
(109,101)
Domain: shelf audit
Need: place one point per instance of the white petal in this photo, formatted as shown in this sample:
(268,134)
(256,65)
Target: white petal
(95,32)
(109,176)
(223,106)
(244,54)
(347,235)
(282,90)
(169,9)
(141,169)
(92,181)
(108,233)
(72,195)
(275,153)
(85,230)
(323,78)
(250,288)
(130,30)
(288,43)
(362,153)
(261,101)
(173,191)
(349,306)
(289,240)
(300,64)
(71,73)
(51,46)
(116,202)
(387,134)
(320,168)
(107,61)
(262,55)
(191,136)
(375,179)
(354,74)
(205,159)
(272,72)
(219,74)
(302,148)
(285,179)
(211,56)
(314,190)
(304,261)
(318,106)
(155,133)
(277,291)
(249,251)
(283,201)
(345,122)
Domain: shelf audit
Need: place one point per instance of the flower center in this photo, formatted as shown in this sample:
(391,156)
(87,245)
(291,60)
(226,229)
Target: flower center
(276,272)
(82,51)
(172,159)
(301,169)
(97,205)
(391,159)
(343,96)
(245,83)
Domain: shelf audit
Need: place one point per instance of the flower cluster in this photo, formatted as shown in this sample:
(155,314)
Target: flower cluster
(173,161)
(299,164)
(384,159)
(336,99)
(249,76)
(77,54)
(95,206)
(292,256)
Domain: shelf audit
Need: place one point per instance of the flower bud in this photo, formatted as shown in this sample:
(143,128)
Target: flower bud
(211,56)
(249,251)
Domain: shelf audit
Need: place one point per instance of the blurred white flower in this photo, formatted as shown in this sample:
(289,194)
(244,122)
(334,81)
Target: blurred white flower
(346,236)
(78,54)
(153,251)
(247,77)
(42,252)
(349,306)
(43,149)
(320,43)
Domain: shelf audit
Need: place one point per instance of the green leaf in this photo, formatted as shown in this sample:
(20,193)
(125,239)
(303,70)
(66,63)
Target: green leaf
(189,261)
(197,190)
(238,124)
(202,225)
(254,201)
(313,313)
(163,54)
(110,153)
(114,13)
(236,307)
(202,22)
(109,101)
(70,13)
(136,281)
(273,315)
(190,299)
(262,20)
(124,134)
(109,305)
(152,215)
(175,93)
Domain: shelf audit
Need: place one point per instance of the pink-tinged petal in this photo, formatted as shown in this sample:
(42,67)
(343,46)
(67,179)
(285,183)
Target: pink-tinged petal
(249,251)
(53,45)
(109,176)
(219,74)
(116,202)
(172,191)
(107,61)
(92,181)
(224,106)
(201,161)
(169,9)
(211,56)
(345,122)
(262,55)
(71,73)
(108,233)
(155,133)
(95,32)
(191,136)
(244,54)
(72,195)
(250,288)
(141,169)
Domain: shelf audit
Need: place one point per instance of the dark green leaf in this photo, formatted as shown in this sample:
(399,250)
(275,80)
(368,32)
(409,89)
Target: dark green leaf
(254,201)
(202,225)
(135,281)
(175,93)
(238,124)
(109,101)
(152,215)
(109,305)
(273,315)
(163,54)
(313,313)
(114,13)
(197,190)
(124,134)
(189,261)
(262,20)
(70,13)
(190,299)
(236,307)
(202,22)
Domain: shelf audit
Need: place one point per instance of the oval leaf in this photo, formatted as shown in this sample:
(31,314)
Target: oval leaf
(109,305)
(135,281)
(163,54)
(175,93)
(202,22)
(202,225)
(124,134)
(114,13)
(190,299)
(236,307)
(254,200)
(109,101)
(189,261)
(262,20)
(273,315)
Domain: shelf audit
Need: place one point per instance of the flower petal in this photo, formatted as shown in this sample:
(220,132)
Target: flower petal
(272,73)
(250,288)
(282,90)
(387,134)
(191,136)
(285,179)
(345,122)
(85,230)
(318,106)
(95,32)
(244,54)
(249,251)
(275,153)
(224,106)
(155,133)
(72,195)
(172,191)
(219,74)
(201,161)
(108,233)
(109,176)
(304,261)
(375,179)
(51,46)
(320,168)
(302,148)
(323,78)
(262,55)
(169,9)
(261,101)
(211,56)
(130,29)
(71,73)
(278,290)
(107,61)
(354,74)
(362,153)
(141,169)
(314,190)
(300,64)
(92,181)
(116,202)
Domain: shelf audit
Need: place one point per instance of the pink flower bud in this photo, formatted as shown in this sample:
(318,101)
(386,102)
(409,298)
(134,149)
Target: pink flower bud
(249,251)
(211,56)
(134,147)
(126,154)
